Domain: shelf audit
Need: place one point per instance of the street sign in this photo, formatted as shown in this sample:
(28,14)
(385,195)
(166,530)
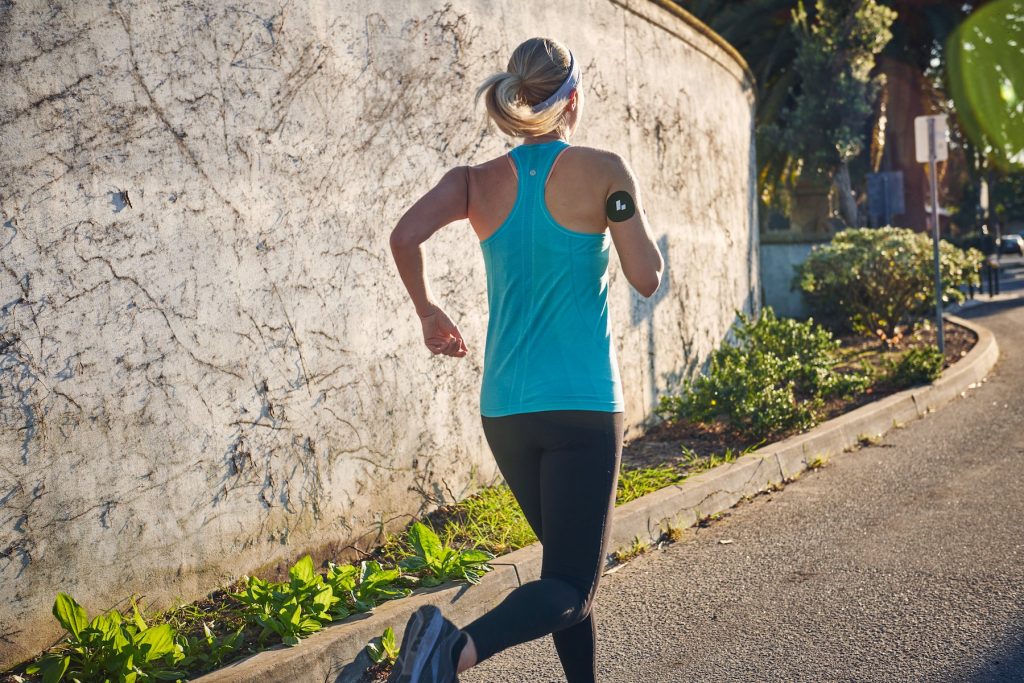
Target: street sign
(940,136)
(930,142)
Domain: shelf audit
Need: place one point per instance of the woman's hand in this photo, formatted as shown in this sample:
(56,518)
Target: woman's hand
(441,335)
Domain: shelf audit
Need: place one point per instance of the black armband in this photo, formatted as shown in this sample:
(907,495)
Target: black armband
(620,206)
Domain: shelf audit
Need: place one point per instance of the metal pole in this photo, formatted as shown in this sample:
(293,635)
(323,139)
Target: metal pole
(935,236)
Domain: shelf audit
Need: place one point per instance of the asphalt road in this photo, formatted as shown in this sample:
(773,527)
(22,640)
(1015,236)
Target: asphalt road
(901,561)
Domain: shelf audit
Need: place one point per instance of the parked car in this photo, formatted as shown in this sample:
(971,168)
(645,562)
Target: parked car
(1011,244)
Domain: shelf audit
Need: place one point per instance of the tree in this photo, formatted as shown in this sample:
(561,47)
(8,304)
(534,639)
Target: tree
(835,56)
(814,88)
(912,64)
(910,67)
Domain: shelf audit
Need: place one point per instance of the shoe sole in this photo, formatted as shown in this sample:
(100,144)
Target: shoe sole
(417,644)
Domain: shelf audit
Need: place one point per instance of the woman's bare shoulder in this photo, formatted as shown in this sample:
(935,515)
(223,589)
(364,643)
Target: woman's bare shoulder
(496,162)
(601,166)
(601,158)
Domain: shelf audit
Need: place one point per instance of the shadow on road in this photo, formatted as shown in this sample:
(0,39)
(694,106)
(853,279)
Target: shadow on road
(1005,666)
(987,308)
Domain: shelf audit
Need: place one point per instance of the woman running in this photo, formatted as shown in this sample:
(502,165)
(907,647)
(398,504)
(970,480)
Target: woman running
(551,398)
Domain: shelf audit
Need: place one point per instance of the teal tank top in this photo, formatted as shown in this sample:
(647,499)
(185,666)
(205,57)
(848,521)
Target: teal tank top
(549,342)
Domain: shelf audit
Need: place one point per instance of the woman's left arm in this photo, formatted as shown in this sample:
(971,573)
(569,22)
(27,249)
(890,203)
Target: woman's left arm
(446,203)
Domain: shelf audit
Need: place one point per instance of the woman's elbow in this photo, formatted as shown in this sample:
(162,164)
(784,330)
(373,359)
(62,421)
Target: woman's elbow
(652,281)
(649,285)
(404,236)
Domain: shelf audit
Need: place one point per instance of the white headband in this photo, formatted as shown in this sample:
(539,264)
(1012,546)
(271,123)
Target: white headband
(571,81)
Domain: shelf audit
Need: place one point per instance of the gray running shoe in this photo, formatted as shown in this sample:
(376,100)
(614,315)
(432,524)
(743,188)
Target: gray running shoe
(425,655)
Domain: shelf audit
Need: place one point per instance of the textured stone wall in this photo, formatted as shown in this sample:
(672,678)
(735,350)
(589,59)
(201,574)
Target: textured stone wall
(208,363)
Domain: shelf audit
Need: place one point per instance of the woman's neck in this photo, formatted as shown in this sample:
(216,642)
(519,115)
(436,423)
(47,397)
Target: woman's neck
(536,140)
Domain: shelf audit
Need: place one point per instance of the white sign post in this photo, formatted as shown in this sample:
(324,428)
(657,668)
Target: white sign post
(930,134)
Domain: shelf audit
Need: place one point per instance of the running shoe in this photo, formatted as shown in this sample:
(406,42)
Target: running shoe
(425,655)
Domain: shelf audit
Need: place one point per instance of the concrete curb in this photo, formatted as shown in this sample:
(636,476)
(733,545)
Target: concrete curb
(337,653)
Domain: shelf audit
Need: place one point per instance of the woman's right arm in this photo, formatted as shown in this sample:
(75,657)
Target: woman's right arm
(446,203)
(642,263)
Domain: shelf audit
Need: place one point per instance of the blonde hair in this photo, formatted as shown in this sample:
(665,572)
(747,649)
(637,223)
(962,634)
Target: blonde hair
(535,71)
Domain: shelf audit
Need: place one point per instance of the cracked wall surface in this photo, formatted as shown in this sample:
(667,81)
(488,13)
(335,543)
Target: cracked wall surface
(208,362)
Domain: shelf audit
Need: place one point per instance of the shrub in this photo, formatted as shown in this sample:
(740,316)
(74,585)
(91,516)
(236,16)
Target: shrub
(917,366)
(775,379)
(872,280)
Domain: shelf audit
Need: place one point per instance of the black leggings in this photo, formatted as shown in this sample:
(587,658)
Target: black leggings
(563,468)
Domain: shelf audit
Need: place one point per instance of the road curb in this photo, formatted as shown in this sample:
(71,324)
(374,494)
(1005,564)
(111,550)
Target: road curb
(337,653)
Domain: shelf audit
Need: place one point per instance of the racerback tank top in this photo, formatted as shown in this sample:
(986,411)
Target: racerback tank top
(549,343)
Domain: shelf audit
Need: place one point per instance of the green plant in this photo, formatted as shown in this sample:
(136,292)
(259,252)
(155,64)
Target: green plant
(638,482)
(367,585)
(773,380)
(750,393)
(696,463)
(209,651)
(291,609)
(491,520)
(385,649)
(442,563)
(917,366)
(874,280)
(109,648)
(626,553)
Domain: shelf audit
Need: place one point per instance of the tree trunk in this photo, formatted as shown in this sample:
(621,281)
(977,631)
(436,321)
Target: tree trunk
(847,204)
(905,99)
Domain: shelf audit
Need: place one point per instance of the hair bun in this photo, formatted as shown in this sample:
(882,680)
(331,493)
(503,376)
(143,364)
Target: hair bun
(536,69)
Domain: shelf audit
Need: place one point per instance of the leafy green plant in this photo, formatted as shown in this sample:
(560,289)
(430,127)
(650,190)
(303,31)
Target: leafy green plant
(209,651)
(917,366)
(874,280)
(774,379)
(440,563)
(807,350)
(292,609)
(367,585)
(385,649)
(109,648)
(749,393)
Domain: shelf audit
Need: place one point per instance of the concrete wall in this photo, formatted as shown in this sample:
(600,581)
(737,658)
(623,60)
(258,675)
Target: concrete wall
(208,363)
(777,262)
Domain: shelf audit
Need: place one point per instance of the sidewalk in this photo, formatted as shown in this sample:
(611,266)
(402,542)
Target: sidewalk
(902,561)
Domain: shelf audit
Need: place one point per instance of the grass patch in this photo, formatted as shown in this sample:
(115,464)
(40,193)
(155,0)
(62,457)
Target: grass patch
(636,483)
(490,520)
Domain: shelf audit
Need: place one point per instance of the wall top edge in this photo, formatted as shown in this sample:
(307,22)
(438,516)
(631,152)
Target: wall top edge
(710,34)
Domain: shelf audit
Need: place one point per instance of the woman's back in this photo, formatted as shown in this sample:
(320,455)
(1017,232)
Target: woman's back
(548,343)
(575,192)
